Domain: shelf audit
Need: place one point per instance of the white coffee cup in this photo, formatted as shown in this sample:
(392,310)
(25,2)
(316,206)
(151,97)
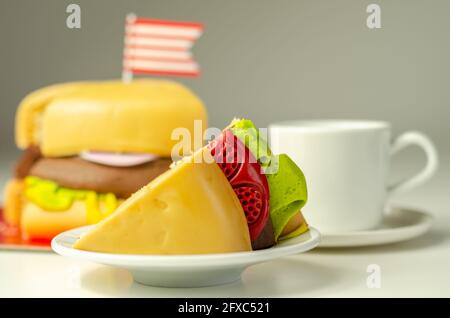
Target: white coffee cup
(346,165)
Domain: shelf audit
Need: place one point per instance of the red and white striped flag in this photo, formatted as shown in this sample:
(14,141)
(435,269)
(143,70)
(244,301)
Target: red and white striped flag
(160,47)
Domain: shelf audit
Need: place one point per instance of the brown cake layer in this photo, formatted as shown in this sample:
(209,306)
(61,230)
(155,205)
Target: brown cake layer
(76,173)
(266,238)
(26,161)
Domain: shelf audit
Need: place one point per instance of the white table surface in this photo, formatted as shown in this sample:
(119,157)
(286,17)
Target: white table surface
(420,267)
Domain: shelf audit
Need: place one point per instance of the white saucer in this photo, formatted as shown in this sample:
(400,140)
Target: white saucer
(400,224)
(185,270)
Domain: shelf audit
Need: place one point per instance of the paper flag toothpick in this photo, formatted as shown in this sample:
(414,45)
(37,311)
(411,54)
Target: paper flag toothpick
(159,47)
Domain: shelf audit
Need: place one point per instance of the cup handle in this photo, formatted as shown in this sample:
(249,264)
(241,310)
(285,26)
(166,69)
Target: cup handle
(414,138)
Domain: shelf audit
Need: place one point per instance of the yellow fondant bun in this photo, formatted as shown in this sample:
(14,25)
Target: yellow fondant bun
(13,201)
(37,223)
(110,116)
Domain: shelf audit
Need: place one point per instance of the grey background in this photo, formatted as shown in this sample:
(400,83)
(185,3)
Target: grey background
(266,60)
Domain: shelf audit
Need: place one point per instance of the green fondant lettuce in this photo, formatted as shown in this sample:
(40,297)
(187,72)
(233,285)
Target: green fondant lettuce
(47,194)
(288,192)
(287,184)
(249,135)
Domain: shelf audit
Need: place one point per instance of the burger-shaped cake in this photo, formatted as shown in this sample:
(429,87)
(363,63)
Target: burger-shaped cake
(231,195)
(88,146)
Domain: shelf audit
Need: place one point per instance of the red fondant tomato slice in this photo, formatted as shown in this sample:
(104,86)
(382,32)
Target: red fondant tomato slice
(244,174)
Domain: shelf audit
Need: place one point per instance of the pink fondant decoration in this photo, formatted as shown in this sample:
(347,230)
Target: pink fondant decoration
(116,159)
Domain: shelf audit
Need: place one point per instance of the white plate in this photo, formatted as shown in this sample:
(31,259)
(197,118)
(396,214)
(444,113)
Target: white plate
(185,270)
(400,224)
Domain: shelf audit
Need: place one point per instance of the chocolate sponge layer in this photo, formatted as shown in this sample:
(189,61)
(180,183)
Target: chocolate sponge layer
(76,173)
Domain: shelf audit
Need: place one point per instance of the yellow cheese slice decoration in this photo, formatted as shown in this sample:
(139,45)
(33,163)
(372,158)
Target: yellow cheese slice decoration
(190,209)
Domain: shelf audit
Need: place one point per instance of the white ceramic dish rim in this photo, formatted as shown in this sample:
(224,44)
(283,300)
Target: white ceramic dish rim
(426,222)
(200,260)
(422,222)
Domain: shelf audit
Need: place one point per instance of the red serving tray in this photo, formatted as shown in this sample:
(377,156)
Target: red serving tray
(10,239)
